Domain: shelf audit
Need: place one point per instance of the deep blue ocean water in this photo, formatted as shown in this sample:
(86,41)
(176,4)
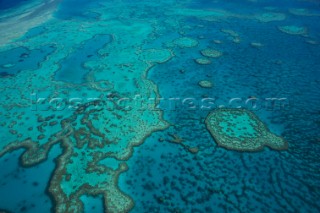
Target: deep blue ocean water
(164,176)
(6,4)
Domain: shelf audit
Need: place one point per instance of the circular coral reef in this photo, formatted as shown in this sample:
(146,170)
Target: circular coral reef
(241,130)
(211,53)
(185,42)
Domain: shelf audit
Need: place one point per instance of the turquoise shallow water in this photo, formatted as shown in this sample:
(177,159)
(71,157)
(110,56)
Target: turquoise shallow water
(102,109)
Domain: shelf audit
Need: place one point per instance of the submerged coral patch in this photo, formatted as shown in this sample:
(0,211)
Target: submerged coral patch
(211,53)
(268,17)
(293,30)
(185,42)
(219,14)
(313,42)
(302,12)
(241,130)
(156,55)
(202,61)
(256,44)
(7,66)
(234,35)
(205,84)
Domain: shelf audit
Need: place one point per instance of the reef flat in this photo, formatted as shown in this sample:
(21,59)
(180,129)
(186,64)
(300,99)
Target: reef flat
(85,139)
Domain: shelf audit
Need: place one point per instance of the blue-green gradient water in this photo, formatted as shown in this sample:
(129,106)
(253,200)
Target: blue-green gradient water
(73,54)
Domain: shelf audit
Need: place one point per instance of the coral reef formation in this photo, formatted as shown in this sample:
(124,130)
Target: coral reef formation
(185,42)
(205,84)
(202,61)
(293,30)
(268,17)
(92,120)
(241,130)
(211,53)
